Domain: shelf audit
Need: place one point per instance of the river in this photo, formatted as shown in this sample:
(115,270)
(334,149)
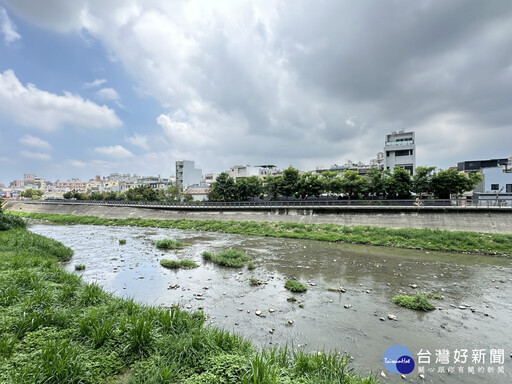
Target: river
(475,314)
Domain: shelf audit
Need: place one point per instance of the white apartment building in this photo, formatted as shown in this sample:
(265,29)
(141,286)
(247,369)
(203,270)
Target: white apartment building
(400,151)
(187,174)
(250,170)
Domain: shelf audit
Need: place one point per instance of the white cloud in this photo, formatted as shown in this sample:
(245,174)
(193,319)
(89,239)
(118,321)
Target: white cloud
(115,151)
(36,155)
(139,140)
(8,28)
(95,84)
(32,107)
(36,142)
(109,94)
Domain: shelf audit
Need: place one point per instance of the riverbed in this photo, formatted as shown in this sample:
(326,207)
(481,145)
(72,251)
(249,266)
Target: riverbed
(474,314)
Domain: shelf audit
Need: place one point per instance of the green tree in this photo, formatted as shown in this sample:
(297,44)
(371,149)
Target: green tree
(332,183)
(97,196)
(144,193)
(422,181)
(446,183)
(353,184)
(32,193)
(375,182)
(246,187)
(289,180)
(271,185)
(68,195)
(396,185)
(309,184)
(223,189)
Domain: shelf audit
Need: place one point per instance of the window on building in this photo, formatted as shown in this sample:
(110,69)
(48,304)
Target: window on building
(403,152)
(387,153)
(495,187)
(509,188)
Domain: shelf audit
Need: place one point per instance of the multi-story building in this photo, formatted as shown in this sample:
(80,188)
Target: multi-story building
(187,174)
(249,170)
(400,151)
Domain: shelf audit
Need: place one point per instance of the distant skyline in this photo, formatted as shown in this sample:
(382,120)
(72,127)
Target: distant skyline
(93,87)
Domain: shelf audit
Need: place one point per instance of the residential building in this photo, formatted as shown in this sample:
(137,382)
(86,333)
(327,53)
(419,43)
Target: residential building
(187,174)
(249,170)
(198,194)
(400,151)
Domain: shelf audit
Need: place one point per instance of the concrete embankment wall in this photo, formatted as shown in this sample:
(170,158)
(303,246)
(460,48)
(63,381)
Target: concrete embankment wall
(491,220)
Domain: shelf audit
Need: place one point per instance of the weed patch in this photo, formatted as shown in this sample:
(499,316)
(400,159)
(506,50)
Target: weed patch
(295,286)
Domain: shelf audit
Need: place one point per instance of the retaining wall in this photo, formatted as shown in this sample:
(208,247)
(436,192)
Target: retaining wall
(491,220)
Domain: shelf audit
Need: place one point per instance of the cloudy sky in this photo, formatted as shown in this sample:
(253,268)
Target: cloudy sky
(91,87)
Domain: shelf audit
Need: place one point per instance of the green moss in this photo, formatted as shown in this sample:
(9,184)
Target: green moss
(417,302)
(295,286)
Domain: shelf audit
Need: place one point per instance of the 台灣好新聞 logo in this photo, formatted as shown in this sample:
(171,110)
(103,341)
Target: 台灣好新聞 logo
(398,359)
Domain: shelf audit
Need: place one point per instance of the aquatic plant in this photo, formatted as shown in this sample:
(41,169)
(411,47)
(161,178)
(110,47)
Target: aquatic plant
(232,258)
(251,266)
(254,281)
(175,264)
(169,244)
(295,286)
(122,241)
(418,302)
(79,267)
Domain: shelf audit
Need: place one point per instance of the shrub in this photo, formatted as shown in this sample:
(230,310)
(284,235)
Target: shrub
(254,281)
(295,286)
(10,221)
(251,266)
(232,258)
(175,264)
(418,302)
(169,244)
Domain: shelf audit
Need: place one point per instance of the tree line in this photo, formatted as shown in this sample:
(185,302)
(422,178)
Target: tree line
(426,182)
(143,193)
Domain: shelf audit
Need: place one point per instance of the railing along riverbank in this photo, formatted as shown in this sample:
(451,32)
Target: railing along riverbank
(423,204)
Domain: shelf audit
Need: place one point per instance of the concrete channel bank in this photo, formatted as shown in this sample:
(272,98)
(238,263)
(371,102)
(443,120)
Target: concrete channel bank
(475,219)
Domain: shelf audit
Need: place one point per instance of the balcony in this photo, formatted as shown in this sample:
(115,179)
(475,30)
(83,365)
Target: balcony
(398,143)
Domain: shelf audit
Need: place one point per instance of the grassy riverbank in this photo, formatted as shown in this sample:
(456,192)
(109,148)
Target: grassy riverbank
(55,329)
(436,240)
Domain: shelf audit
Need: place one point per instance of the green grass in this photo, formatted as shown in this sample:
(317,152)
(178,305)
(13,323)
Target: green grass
(79,267)
(54,328)
(295,286)
(417,302)
(427,239)
(176,264)
(232,258)
(169,244)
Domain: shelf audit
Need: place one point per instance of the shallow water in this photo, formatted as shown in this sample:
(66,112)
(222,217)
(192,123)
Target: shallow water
(370,275)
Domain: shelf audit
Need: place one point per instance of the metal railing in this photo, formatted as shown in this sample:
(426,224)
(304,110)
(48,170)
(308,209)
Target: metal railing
(454,203)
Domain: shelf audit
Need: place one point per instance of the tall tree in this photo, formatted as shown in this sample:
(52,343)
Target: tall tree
(353,184)
(422,181)
(271,186)
(246,187)
(446,183)
(374,179)
(332,183)
(309,184)
(397,185)
(289,180)
(223,189)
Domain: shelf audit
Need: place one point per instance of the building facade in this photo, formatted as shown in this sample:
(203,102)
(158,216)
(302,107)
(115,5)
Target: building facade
(400,151)
(187,174)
